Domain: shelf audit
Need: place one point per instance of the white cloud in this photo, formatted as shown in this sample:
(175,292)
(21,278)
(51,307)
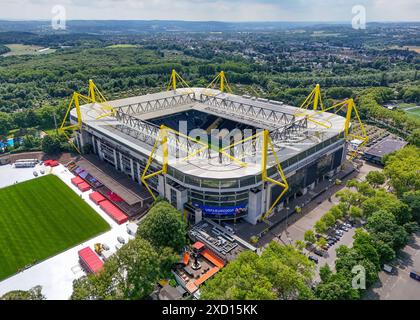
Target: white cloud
(226,10)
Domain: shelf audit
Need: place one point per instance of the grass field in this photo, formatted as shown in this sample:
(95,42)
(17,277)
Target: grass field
(40,218)
(414,112)
(23,49)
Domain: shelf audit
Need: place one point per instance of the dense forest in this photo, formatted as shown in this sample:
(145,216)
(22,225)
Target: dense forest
(3,49)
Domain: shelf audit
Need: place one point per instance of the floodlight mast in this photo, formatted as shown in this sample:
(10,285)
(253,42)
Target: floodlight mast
(314,99)
(94,96)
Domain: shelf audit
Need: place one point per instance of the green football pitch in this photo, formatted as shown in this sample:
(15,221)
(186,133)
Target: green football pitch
(40,218)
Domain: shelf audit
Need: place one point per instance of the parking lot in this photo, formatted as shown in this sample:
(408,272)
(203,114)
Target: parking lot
(294,229)
(399,285)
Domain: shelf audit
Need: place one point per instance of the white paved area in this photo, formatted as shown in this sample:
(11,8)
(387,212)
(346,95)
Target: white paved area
(9,175)
(57,273)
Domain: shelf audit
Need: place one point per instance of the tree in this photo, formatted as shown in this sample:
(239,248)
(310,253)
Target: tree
(355,212)
(325,273)
(321,242)
(5,123)
(386,201)
(281,272)
(383,226)
(338,287)
(300,245)
(320,226)
(164,226)
(131,273)
(375,178)
(329,219)
(414,138)
(336,212)
(239,280)
(348,258)
(51,144)
(402,168)
(309,236)
(412,199)
(34,293)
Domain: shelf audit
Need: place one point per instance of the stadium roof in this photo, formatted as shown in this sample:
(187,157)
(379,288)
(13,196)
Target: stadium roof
(137,111)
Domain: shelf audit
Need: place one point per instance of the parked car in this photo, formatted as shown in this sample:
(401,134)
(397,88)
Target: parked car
(338,233)
(415,275)
(105,246)
(326,247)
(387,268)
(348,225)
(121,240)
(335,239)
(35,174)
(319,252)
(344,228)
(314,259)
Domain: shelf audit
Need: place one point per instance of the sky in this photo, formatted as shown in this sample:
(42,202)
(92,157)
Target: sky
(215,10)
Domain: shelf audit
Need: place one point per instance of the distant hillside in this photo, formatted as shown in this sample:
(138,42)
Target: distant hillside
(3,49)
(143,26)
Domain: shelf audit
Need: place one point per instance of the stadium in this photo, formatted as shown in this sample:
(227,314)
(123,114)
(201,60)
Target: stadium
(212,153)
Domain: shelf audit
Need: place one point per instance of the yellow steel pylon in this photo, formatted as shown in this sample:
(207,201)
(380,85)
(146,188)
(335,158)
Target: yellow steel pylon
(221,82)
(94,96)
(74,103)
(173,82)
(315,99)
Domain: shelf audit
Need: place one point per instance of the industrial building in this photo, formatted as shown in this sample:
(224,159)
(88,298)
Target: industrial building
(259,153)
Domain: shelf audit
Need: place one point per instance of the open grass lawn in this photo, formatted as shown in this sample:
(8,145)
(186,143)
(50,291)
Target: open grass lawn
(40,218)
(414,112)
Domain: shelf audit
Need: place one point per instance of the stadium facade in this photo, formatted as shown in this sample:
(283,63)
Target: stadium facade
(215,182)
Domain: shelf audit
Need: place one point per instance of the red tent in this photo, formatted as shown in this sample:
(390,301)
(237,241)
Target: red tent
(96,197)
(90,260)
(51,163)
(54,163)
(84,186)
(115,213)
(77,180)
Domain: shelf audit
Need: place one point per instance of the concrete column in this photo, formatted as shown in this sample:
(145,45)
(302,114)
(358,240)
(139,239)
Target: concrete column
(121,163)
(98,146)
(198,215)
(93,144)
(132,168)
(161,186)
(254,207)
(182,197)
(115,159)
(138,172)
(82,143)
